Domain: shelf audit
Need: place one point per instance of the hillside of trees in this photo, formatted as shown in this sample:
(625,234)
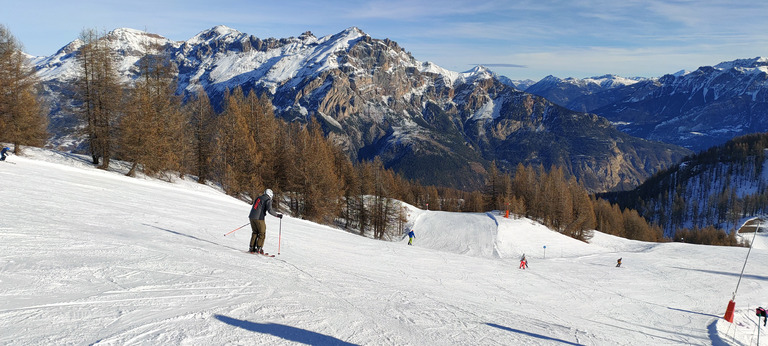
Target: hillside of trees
(718,188)
(245,149)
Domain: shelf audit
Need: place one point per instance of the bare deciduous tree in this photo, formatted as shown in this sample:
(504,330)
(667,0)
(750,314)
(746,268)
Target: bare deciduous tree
(22,118)
(99,92)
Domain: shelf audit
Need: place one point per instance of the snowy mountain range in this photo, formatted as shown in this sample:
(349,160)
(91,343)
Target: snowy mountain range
(376,100)
(570,92)
(696,109)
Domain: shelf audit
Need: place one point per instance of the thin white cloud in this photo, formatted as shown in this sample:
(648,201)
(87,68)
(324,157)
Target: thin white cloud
(576,37)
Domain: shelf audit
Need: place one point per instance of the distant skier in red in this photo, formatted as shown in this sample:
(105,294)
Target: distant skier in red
(523,262)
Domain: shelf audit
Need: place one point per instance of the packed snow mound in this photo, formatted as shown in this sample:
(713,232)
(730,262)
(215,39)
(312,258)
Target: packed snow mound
(468,234)
(491,235)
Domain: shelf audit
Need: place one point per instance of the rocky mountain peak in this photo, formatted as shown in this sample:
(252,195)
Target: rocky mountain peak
(307,36)
(376,100)
(756,62)
(216,33)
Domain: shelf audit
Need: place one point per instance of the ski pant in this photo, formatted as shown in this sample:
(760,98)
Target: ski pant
(259,229)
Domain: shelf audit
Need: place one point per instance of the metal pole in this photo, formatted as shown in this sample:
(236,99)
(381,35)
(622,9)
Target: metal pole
(280,236)
(745,260)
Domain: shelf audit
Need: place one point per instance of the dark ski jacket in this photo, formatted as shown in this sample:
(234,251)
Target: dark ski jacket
(261,206)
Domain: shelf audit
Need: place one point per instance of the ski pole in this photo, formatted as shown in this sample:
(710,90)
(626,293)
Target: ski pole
(279,235)
(236,229)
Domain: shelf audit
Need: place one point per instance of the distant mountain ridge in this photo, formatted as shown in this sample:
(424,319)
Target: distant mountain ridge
(696,109)
(376,100)
(567,92)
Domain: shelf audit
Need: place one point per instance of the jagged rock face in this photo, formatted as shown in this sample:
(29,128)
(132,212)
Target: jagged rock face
(435,126)
(371,109)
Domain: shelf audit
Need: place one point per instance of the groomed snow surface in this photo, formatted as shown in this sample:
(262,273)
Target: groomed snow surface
(94,257)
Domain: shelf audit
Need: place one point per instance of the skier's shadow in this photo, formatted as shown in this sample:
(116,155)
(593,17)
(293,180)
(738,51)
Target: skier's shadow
(282,331)
(189,236)
(534,335)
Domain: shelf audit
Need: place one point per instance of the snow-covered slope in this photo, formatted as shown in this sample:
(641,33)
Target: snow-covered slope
(94,257)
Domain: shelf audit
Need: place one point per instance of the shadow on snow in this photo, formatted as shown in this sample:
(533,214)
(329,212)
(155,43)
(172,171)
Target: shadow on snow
(189,236)
(714,336)
(282,331)
(747,276)
(534,335)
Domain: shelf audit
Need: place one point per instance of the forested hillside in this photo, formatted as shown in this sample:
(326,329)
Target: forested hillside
(718,187)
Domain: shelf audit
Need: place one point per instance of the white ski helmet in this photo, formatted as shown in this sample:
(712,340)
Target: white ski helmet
(269,193)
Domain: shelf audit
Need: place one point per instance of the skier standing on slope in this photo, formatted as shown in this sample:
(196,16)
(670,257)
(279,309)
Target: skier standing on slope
(618,263)
(411,236)
(4,153)
(261,206)
(523,262)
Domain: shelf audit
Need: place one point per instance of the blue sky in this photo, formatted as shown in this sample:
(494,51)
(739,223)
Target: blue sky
(518,39)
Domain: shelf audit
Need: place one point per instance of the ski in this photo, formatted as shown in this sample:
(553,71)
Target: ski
(263,254)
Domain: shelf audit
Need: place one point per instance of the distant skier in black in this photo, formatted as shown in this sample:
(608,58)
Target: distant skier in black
(261,206)
(761,313)
(4,153)
(618,263)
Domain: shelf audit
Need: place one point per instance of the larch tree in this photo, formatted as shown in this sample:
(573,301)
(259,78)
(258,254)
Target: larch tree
(99,92)
(154,127)
(202,121)
(265,128)
(238,154)
(22,118)
(315,179)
